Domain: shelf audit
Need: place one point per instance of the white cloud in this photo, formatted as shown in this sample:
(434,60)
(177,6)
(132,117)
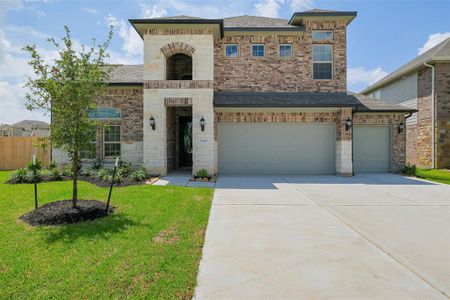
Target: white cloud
(152,11)
(365,76)
(132,42)
(433,40)
(300,5)
(90,10)
(268,8)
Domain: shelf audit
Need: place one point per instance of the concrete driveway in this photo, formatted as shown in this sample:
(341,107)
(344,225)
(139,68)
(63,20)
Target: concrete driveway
(379,236)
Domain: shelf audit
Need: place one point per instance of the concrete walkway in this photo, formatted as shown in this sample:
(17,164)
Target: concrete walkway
(325,237)
(182,178)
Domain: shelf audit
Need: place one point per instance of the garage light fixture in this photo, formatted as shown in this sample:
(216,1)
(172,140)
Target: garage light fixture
(348,124)
(202,124)
(400,127)
(152,123)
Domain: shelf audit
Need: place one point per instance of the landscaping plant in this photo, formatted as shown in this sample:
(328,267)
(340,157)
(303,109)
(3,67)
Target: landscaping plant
(68,88)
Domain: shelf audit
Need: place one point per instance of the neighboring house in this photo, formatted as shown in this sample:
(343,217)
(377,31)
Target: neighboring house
(25,128)
(414,85)
(244,95)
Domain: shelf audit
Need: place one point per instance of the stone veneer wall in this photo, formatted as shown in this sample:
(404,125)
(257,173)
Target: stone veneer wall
(411,144)
(443,115)
(272,73)
(398,150)
(130,103)
(423,141)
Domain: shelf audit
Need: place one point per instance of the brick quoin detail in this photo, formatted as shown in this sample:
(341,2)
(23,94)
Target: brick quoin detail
(178,101)
(177,48)
(178,84)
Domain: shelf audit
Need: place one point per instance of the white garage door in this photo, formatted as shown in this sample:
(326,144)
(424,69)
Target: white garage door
(276,148)
(372,146)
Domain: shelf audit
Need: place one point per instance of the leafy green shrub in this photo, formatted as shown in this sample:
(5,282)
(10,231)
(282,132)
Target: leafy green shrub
(52,165)
(102,174)
(67,171)
(38,165)
(90,172)
(29,178)
(54,174)
(98,164)
(410,170)
(19,175)
(139,174)
(202,173)
(125,168)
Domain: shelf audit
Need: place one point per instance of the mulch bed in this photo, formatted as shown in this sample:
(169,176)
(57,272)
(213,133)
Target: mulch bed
(61,212)
(97,182)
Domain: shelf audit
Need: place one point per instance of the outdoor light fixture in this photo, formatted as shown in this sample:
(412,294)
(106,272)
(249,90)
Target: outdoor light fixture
(348,124)
(202,124)
(400,127)
(152,123)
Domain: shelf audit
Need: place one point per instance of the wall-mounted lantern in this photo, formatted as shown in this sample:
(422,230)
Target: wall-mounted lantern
(202,124)
(348,124)
(400,127)
(152,123)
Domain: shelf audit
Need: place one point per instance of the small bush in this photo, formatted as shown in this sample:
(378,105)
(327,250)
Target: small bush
(19,176)
(202,173)
(52,165)
(102,174)
(125,168)
(54,174)
(139,174)
(410,170)
(90,172)
(29,178)
(98,164)
(67,171)
(38,165)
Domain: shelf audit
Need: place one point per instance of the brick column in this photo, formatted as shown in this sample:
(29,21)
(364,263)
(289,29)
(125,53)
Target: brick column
(344,164)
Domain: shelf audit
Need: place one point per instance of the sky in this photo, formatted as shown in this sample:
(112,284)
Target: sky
(385,35)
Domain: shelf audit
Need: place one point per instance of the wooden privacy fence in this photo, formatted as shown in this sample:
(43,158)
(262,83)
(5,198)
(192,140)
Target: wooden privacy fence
(16,151)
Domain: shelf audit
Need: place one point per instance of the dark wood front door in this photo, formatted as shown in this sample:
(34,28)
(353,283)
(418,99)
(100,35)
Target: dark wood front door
(185,141)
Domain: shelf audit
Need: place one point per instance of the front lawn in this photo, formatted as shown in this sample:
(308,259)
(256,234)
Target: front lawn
(442,176)
(150,247)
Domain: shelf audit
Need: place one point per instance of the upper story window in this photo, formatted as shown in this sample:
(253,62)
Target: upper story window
(322,35)
(285,50)
(322,61)
(258,50)
(104,113)
(231,50)
(179,67)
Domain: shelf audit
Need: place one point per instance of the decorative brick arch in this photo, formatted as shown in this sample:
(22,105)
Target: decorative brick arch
(177,48)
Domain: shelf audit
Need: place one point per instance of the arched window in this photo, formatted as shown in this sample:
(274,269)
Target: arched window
(179,67)
(104,113)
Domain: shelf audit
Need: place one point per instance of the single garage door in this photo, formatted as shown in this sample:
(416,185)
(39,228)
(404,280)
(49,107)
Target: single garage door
(372,146)
(276,148)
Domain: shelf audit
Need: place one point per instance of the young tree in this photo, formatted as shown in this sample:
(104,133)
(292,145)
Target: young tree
(67,89)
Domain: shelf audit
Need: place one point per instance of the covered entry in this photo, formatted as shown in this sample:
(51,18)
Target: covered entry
(372,148)
(276,148)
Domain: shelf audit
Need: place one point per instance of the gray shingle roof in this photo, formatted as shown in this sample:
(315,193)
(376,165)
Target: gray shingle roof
(255,22)
(287,99)
(440,52)
(126,74)
(29,124)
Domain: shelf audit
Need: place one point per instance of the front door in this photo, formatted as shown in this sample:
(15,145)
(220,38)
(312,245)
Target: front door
(185,141)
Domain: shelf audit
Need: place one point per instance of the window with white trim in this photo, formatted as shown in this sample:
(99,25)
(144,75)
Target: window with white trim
(322,35)
(322,61)
(258,50)
(111,141)
(231,50)
(285,50)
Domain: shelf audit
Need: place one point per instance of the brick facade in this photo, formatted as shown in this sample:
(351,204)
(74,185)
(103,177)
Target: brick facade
(443,115)
(272,73)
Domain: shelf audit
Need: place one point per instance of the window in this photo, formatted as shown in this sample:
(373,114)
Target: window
(104,113)
(285,50)
(322,61)
(179,67)
(231,50)
(111,141)
(90,152)
(258,50)
(322,35)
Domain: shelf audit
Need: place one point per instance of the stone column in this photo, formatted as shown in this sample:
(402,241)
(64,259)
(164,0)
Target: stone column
(344,164)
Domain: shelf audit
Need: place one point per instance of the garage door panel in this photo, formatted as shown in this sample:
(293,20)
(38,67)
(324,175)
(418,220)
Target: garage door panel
(276,148)
(372,146)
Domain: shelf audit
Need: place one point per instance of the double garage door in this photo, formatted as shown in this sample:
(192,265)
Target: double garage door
(276,148)
(297,148)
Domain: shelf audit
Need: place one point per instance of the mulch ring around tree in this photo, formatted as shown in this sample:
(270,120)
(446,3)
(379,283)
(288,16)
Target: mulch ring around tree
(62,212)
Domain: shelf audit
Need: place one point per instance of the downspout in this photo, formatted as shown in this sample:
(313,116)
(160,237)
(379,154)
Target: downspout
(433,105)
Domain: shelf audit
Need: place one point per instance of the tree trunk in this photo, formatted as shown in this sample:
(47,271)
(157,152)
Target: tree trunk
(75,181)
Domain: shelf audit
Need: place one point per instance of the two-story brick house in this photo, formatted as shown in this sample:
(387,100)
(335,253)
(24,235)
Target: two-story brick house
(423,84)
(247,95)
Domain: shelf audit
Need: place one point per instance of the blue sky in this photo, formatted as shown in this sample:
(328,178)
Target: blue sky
(385,35)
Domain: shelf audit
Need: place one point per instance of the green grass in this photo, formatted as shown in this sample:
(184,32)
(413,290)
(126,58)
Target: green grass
(442,176)
(112,257)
